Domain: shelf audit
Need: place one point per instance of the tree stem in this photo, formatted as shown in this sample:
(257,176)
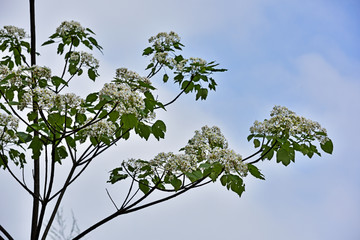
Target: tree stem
(36,173)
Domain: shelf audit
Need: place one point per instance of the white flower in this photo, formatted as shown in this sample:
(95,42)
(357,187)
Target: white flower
(285,121)
(47,99)
(131,77)
(12,31)
(163,39)
(41,72)
(75,56)
(197,61)
(175,163)
(67,27)
(8,122)
(127,101)
(207,146)
(89,60)
(100,128)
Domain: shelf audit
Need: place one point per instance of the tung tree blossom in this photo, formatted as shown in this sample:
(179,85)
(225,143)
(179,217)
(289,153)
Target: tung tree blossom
(40,120)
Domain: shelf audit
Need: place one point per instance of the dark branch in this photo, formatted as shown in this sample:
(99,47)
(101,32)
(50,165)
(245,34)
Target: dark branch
(6,233)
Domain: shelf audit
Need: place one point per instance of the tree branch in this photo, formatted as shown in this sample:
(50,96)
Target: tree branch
(130,209)
(6,233)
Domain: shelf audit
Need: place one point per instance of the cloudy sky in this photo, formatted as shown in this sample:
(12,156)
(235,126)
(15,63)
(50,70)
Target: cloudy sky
(301,54)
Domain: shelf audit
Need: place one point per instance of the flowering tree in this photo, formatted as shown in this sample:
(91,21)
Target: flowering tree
(41,126)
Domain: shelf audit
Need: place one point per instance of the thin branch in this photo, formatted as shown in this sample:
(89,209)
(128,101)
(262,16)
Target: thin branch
(57,204)
(6,233)
(252,155)
(130,209)
(128,194)
(16,178)
(111,199)
(22,120)
(263,155)
(172,101)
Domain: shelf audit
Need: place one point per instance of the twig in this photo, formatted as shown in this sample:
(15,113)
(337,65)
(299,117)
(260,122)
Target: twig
(111,199)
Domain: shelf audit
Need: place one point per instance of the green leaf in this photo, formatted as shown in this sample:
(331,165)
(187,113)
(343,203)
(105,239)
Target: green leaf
(115,176)
(327,147)
(269,152)
(42,83)
(92,97)
(75,41)
(60,49)
(255,171)
(92,74)
(3,161)
(149,66)
(165,78)
(283,156)
(23,137)
(250,137)
(5,109)
(216,171)
(94,141)
(93,41)
(256,143)
(32,116)
(148,51)
(143,130)
(158,129)
(144,186)
(57,81)
(233,182)
(72,69)
(9,94)
(48,42)
(36,145)
(11,75)
(194,175)
(129,121)
(70,141)
(113,116)
(106,140)
(201,94)
(176,183)
(60,153)
(80,118)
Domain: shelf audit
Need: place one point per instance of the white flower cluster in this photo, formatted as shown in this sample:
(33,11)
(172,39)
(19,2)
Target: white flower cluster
(7,122)
(47,99)
(67,27)
(195,64)
(75,56)
(23,75)
(175,163)
(12,31)
(127,101)
(284,121)
(128,76)
(164,39)
(164,58)
(204,141)
(85,58)
(41,72)
(15,80)
(89,60)
(100,128)
(207,146)
(211,146)
(197,61)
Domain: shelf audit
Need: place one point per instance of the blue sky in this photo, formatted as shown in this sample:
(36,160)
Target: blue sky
(301,54)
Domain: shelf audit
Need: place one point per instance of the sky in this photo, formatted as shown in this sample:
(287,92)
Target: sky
(301,54)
